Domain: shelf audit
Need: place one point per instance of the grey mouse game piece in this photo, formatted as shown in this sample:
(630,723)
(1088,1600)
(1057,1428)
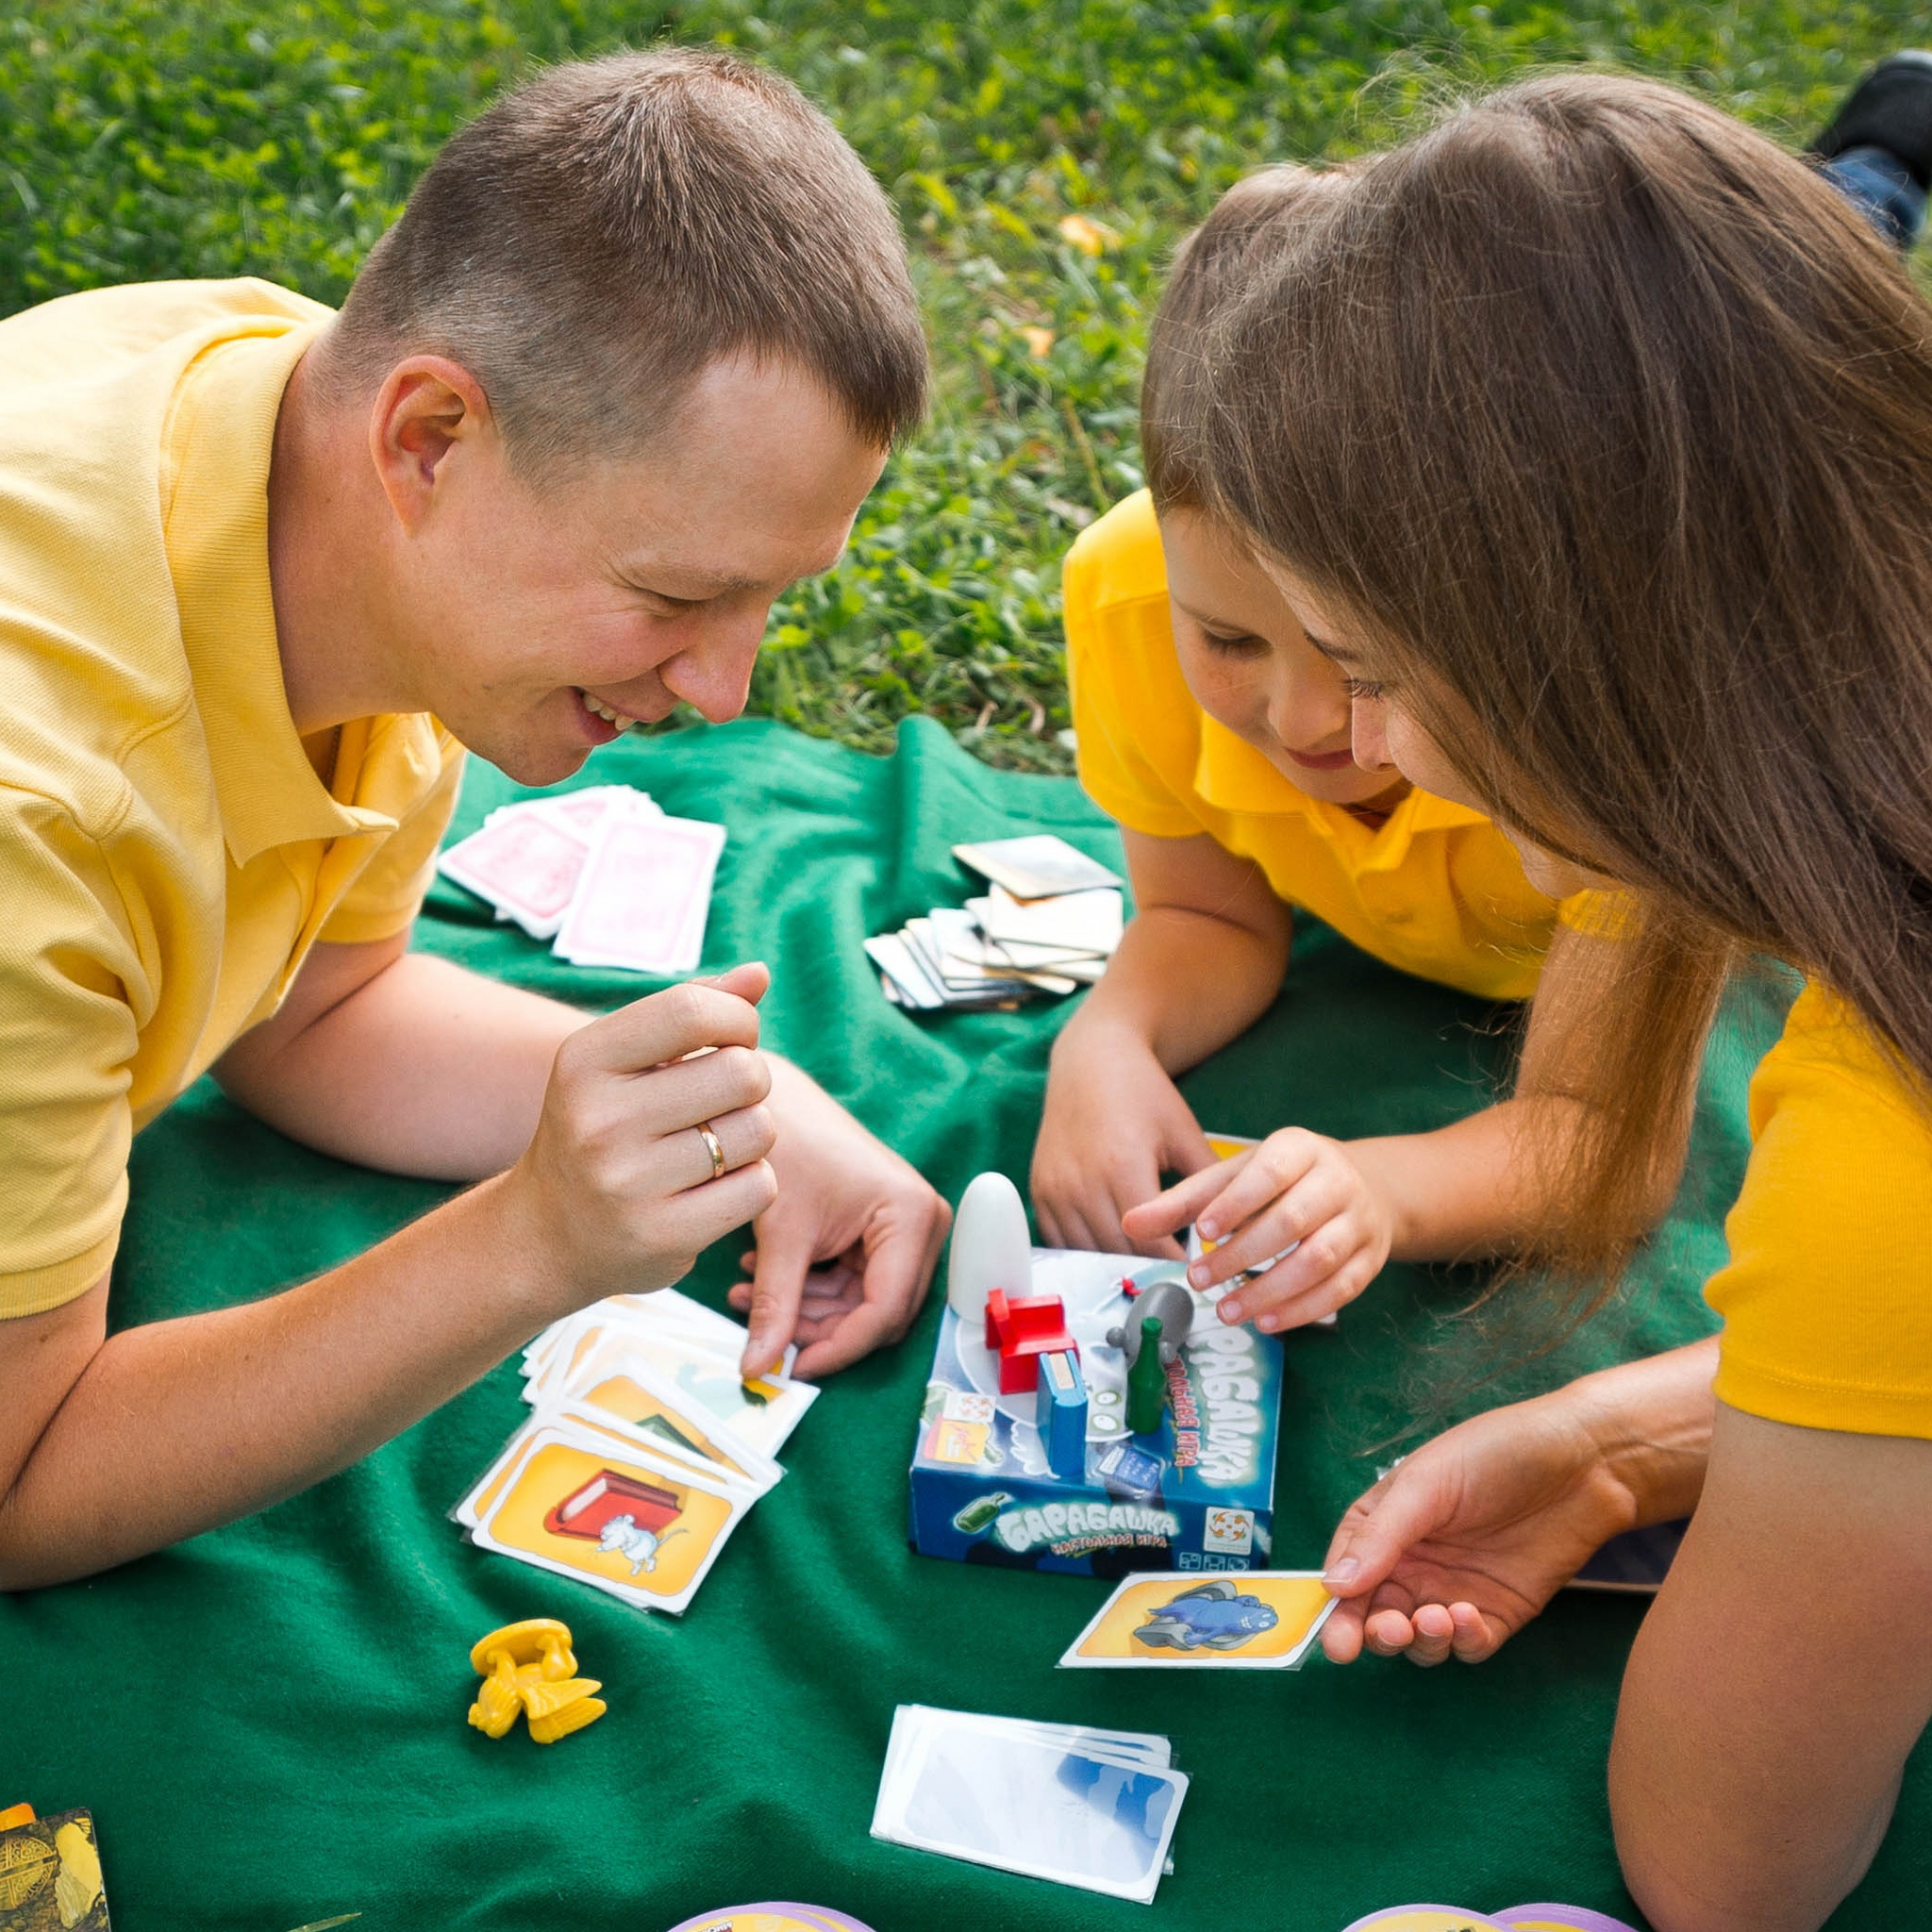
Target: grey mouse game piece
(1168,1303)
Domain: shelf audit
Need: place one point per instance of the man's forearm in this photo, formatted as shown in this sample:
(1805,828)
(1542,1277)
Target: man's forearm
(1184,982)
(425,1070)
(181,1425)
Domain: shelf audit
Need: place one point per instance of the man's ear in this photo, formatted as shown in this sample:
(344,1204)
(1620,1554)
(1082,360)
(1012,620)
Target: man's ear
(426,408)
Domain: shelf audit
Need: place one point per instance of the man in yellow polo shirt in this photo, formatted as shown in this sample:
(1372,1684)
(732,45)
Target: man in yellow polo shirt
(603,393)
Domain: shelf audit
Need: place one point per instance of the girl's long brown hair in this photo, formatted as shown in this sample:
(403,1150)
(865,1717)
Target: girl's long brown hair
(1611,424)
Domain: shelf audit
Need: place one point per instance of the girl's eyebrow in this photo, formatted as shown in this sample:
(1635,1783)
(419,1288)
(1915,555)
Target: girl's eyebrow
(1201,617)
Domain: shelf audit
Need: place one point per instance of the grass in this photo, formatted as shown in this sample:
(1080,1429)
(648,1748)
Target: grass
(1045,155)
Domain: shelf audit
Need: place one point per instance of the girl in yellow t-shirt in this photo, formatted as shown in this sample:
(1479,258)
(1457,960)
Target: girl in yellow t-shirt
(1217,734)
(1651,412)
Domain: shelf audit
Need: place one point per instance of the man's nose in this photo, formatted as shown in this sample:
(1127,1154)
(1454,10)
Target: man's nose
(712,674)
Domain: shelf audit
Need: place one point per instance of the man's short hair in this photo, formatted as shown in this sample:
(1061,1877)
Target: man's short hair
(610,229)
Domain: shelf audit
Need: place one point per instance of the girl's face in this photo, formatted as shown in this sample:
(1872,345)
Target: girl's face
(1251,666)
(1385,734)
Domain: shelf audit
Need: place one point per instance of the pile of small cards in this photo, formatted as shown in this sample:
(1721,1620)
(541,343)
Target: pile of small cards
(645,1451)
(1049,923)
(602,872)
(1088,1808)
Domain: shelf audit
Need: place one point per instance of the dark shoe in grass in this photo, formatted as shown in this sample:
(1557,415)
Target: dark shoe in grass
(1889,108)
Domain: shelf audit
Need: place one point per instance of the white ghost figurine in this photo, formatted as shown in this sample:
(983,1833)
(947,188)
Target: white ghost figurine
(992,1247)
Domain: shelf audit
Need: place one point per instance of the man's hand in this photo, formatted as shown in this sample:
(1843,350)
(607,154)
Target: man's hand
(616,1186)
(1114,1122)
(847,1249)
(1298,1190)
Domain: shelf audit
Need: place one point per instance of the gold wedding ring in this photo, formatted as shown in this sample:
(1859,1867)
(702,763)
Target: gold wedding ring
(714,1147)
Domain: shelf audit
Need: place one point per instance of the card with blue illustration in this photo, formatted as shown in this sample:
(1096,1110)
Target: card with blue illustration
(1261,1620)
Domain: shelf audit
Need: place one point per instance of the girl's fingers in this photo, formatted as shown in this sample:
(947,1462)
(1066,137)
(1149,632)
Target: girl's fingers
(1188,1153)
(1428,1634)
(1476,1637)
(1184,1201)
(1270,1172)
(1273,1309)
(1306,1212)
(1388,1633)
(1341,1635)
(1379,1530)
(1074,1231)
(1435,1635)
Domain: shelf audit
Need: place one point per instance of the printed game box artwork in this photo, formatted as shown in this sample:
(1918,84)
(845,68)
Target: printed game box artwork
(1054,1437)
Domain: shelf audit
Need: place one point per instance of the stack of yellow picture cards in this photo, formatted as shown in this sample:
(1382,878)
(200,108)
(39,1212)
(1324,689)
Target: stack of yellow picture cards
(645,1449)
(1253,1620)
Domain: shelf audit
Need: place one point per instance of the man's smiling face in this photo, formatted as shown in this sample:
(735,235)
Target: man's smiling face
(534,613)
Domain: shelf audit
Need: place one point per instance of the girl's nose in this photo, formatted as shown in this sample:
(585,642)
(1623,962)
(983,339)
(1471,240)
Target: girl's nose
(1368,734)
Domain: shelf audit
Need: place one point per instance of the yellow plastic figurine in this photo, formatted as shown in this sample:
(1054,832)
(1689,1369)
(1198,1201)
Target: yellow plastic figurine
(531,1667)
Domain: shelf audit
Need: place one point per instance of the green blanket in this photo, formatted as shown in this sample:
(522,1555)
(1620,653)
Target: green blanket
(269,1722)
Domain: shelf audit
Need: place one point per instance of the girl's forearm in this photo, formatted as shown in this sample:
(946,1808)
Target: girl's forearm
(1652,1421)
(1480,1186)
(1184,984)
(1487,1183)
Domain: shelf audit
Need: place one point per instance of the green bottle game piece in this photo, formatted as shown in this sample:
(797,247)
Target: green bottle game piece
(1147,1382)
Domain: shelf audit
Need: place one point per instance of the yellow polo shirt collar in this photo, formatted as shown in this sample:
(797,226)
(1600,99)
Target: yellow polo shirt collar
(1232,776)
(223,430)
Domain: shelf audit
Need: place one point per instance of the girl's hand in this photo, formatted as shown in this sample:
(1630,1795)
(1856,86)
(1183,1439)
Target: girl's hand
(1297,1190)
(1113,1122)
(1460,1545)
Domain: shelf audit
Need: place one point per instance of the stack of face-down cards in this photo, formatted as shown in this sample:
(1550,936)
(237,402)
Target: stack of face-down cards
(602,872)
(1050,920)
(1081,1806)
(1254,1620)
(645,1451)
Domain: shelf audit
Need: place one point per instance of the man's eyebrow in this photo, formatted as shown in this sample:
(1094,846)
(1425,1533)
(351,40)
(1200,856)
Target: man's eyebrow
(695,581)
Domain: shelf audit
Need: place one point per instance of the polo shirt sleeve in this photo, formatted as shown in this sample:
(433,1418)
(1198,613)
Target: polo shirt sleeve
(1600,913)
(1137,729)
(73,980)
(1826,1300)
(388,893)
